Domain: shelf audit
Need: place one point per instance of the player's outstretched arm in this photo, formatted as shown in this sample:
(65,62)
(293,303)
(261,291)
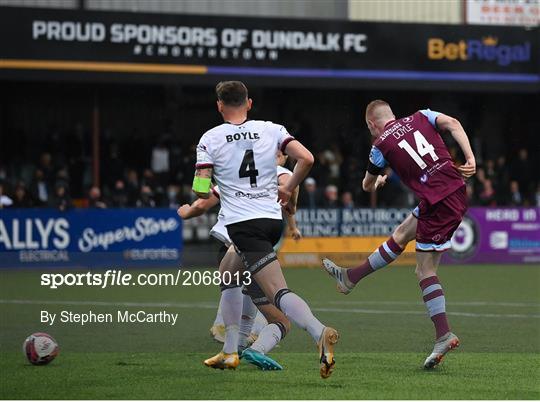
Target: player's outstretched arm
(290,209)
(372,182)
(455,128)
(198,207)
(304,162)
(202,182)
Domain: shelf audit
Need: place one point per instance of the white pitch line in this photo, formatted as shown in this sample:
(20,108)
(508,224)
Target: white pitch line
(209,305)
(451,303)
(416,312)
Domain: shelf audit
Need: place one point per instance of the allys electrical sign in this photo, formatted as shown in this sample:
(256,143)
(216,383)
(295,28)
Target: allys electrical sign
(76,44)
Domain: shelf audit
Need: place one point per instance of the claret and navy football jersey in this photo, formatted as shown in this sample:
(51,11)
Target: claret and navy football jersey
(414,149)
(243,157)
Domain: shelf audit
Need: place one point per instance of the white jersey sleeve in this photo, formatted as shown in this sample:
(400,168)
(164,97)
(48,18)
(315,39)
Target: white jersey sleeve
(283,136)
(244,158)
(204,153)
(281,170)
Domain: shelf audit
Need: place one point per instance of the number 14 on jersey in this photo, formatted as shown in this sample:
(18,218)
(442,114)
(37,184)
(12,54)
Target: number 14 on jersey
(423,147)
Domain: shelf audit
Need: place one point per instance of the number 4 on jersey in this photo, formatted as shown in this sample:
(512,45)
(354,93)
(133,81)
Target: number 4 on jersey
(247,168)
(423,148)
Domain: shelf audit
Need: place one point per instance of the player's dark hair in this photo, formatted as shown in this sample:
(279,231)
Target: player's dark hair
(232,93)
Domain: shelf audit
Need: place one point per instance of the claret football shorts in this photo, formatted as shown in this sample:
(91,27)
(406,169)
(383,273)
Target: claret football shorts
(438,222)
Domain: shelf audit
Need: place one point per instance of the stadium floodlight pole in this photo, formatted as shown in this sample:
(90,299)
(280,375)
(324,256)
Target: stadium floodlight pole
(95,141)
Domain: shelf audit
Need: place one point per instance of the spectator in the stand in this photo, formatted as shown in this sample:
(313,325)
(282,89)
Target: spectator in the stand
(189,160)
(352,178)
(332,159)
(132,187)
(21,198)
(175,160)
(516,199)
(523,172)
(487,196)
(94,198)
(470,191)
(347,200)
(146,198)
(114,166)
(173,193)
(39,189)
(119,195)
(5,201)
(149,179)
(77,147)
(61,199)
(46,166)
(331,197)
(160,162)
(501,181)
(309,196)
(62,178)
(320,169)
(490,170)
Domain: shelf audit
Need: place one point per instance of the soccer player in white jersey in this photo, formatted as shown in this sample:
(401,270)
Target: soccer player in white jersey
(241,156)
(255,304)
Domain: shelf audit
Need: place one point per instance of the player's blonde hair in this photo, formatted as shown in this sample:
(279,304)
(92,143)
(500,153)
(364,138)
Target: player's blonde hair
(378,109)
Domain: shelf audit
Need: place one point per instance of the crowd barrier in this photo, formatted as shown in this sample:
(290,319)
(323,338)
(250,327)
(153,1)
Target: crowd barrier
(486,236)
(87,238)
(118,238)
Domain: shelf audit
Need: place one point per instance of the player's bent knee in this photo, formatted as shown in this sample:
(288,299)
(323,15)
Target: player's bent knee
(279,294)
(423,272)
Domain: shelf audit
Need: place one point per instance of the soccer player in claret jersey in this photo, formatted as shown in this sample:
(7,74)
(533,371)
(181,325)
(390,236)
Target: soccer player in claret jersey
(414,149)
(241,156)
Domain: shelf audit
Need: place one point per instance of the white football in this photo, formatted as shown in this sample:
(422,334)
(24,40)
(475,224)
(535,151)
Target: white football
(40,348)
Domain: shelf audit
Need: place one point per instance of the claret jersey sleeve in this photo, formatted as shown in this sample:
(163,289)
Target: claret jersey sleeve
(431,116)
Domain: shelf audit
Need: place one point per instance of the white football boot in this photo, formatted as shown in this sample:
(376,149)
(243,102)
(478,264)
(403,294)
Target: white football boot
(344,285)
(443,345)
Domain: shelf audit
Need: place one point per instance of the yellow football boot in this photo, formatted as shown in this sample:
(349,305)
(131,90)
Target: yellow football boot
(326,344)
(223,361)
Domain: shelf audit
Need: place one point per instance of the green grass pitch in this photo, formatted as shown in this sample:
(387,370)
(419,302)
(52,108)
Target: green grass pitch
(385,336)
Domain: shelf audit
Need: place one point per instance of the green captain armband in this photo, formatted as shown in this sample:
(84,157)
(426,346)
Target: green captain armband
(201,184)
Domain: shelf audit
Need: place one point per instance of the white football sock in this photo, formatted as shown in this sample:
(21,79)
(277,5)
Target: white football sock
(231,310)
(268,338)
(249,311)
(259,324)
(219,317)
(299,312)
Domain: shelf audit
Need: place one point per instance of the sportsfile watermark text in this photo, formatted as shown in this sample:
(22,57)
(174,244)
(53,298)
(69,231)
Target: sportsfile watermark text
(113,277)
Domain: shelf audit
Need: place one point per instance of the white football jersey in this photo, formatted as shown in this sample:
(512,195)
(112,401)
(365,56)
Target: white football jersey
(219,231)
(243,157)
(282,170)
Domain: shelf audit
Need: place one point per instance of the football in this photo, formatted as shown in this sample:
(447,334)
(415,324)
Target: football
(40,348)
